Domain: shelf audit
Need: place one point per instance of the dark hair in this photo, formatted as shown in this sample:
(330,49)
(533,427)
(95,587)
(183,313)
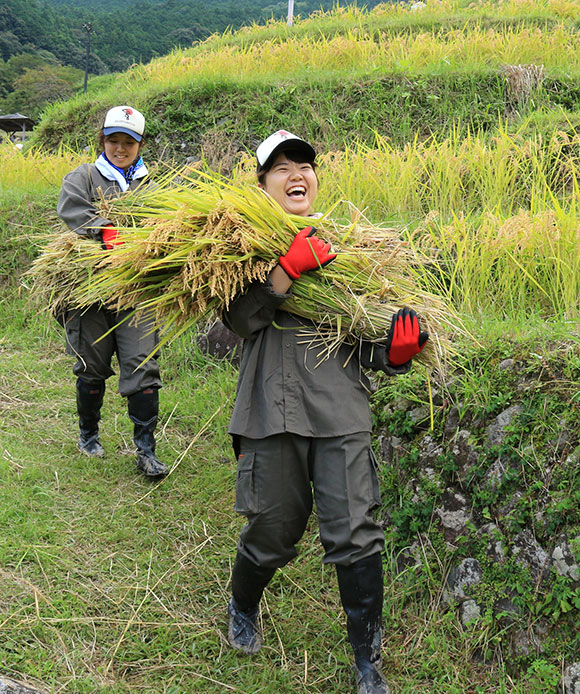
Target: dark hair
(293,154)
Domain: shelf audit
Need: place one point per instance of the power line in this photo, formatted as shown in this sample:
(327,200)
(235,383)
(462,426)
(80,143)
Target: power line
(290,12)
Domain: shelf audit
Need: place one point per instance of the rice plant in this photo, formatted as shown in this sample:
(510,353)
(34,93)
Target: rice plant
(35,170)
(505,172)
(196,241)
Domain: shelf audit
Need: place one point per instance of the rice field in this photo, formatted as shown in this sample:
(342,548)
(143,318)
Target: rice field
(36,171)
(469,49)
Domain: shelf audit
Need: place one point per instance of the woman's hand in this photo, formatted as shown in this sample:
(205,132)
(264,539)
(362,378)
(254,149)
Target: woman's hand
(110,237)
(306,252)
(405,339)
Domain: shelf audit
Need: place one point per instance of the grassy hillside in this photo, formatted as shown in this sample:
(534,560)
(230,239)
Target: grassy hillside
(345,75)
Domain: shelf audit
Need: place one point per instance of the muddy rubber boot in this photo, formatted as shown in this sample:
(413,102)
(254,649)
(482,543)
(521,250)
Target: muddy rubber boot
(144,411)
(89,401)
(248,583)
(361,593)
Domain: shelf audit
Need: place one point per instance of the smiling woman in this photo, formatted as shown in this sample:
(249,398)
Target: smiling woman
(121,149)
(293,184)
(94,335)
(287,172)
(301,425)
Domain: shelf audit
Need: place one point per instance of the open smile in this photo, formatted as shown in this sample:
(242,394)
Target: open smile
(297,192)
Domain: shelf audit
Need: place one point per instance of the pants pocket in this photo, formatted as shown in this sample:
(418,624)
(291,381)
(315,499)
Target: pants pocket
(375,486)
(246,501)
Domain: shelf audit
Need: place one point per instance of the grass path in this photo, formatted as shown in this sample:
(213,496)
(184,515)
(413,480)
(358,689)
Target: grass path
(109,583)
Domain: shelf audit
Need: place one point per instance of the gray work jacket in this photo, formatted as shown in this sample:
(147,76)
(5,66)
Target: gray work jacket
(80,190)
(282,387)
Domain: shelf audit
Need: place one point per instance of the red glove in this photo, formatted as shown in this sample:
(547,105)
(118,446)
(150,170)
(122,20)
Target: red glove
(306,252)
(110,237)
(405,339)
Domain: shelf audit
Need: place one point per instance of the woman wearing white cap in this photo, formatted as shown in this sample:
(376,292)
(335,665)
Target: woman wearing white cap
(299,425)
(118,168)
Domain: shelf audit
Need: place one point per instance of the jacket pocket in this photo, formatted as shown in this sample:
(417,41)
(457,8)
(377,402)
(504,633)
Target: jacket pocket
(246,501)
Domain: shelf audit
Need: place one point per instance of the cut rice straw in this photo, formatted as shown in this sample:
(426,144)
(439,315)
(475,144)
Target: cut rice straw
(194,242)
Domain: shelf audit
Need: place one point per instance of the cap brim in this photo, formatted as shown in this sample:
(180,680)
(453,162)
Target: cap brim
(290,144)
(132,133)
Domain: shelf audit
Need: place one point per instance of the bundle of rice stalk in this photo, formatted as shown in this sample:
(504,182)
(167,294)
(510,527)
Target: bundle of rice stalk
(195,242)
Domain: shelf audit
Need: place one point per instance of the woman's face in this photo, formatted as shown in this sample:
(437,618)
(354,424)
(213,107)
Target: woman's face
(121,149)
(292,184)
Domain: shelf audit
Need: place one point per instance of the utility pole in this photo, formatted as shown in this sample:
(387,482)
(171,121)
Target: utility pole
(290,12)
(88,27)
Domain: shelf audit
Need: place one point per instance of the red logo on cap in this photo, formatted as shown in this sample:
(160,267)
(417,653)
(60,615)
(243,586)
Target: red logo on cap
(283,133)
(128,113)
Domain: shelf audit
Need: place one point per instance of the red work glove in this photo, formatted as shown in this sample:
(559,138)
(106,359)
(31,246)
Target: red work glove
(306,252)
(110,237)
(405,340)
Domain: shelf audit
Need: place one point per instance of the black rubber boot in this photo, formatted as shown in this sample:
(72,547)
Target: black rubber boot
(361,593)
(144,411)
(248,583)
(89,401)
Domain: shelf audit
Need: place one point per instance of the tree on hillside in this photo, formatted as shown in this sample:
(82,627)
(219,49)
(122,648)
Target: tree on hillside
(27,26)
(9,45)
(39,86)
(186,36)
(18,64)
(5,81)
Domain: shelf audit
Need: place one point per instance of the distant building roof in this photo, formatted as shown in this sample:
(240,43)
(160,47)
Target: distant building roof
(15,121)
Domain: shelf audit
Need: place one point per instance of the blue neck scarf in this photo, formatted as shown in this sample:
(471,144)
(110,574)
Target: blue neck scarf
(114,173)
(128,173)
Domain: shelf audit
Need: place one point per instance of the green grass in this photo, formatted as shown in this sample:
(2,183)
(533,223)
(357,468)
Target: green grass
(111,584)
(220,118)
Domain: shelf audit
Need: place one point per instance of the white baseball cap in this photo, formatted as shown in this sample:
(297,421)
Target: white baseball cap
(125,119)
(281,141)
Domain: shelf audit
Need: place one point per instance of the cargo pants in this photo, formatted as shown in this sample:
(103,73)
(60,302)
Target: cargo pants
(276,478)
(131,341)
